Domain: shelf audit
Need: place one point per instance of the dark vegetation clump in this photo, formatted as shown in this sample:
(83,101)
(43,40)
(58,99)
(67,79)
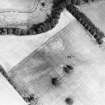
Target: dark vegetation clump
(54,81)
(67,69)
(69,101)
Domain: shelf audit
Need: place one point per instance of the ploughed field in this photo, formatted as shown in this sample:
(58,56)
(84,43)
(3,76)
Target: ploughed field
(82,79)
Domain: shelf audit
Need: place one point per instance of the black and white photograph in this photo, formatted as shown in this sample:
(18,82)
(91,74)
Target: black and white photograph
(52,52)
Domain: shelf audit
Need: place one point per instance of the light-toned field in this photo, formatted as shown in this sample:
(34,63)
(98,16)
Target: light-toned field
(86,85)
